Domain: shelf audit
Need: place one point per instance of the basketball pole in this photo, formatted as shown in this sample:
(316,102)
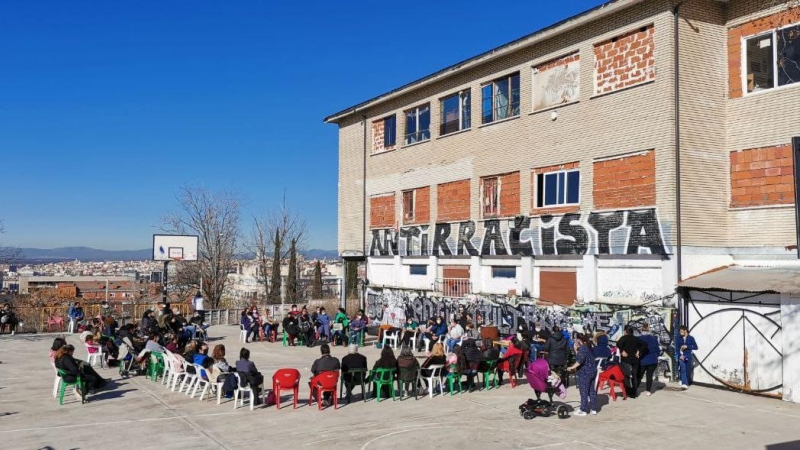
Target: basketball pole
(165,278)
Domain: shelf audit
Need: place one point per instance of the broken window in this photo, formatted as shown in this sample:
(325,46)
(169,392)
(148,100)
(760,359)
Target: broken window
(558,188)
(773,59)
(500,99)
(389,131)
(418,124)
(456,113)
(408,206)
(491,197)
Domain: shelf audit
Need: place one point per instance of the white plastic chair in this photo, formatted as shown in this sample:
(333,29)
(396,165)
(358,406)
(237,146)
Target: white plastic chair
(169,367)
(242,334)
(218,386)
(600,362)
(393,337)
(434,378)
(57,382)
(241,391)
(188,378)
(200,381)
(99,356)
(72,323)
(177,375)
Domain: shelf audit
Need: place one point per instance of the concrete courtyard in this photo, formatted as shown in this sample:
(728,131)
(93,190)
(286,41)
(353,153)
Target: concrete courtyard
(138,413)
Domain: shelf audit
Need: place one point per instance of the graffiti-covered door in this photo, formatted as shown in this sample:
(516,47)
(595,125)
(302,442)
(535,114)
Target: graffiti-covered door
(739,344)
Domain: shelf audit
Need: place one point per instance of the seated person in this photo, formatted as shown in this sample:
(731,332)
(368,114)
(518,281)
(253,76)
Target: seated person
(324,321)
(407,367)
(57,344)
(291,326)
(201,356)
(386,361)
(249,325)
(409,331)
(75,368)
(249,374)
(504,365)
(474,359)
(270,325)
(357,326)
(341,321)
(325,363)
(454,335)
(353,360)
(438,331)
(437,357)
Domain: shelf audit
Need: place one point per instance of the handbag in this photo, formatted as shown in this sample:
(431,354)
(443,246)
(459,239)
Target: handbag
(338,327)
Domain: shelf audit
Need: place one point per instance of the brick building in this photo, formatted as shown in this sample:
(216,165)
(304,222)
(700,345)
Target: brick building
(601,159)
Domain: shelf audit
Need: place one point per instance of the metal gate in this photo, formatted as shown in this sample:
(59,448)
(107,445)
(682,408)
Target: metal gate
(739,340)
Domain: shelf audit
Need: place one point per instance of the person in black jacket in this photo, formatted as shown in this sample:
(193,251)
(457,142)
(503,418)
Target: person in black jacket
(249,374)
(326,363)
(631,348)
(75,368)
(557,349)
(474,359)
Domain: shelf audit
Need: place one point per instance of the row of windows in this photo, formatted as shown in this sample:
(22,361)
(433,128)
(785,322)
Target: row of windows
(497,271)
(499,100)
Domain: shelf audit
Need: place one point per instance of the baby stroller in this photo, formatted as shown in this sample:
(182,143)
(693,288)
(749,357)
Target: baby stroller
(542,380)
(127,365)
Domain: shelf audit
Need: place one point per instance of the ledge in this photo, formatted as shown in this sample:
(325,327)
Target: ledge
(453,133)
(507,119)
(550,108)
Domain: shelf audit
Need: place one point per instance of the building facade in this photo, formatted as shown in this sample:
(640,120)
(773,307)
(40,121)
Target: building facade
(599,160)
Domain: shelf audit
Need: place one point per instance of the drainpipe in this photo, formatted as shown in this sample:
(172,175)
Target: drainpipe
(677,95)
(364,213)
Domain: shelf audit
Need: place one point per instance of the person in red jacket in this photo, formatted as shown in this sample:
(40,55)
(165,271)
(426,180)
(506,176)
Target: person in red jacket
(504,365)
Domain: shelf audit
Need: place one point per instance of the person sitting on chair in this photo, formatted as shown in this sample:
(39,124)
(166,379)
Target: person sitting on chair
(407,367)
(454,335)
(357,326)
(75,368)
(324,321)
(504,364)
(291,327)
(409,331)
(248,373)
(386,361)
(353,360)
(325,363)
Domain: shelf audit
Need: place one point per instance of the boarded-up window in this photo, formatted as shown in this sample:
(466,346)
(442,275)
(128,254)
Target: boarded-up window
(455,281)
(558,287)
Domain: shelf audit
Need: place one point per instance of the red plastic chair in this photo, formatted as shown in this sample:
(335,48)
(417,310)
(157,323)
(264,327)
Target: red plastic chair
(325,382)
(614,377)
(510,366)
(55,320)
(286,380)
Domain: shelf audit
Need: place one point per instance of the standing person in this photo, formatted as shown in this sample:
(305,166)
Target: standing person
(587,372)
(105,309)
(199,306)
(631,348)
(325,363)
(685,345)
(557,350)
(649,361)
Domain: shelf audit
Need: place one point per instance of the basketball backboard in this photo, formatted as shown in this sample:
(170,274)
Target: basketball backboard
(170,247)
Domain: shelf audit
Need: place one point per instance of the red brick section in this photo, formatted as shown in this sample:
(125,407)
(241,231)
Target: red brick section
(381,211)
(377,138)
(509,194)
(422,206)
(762,176)
(626,182)
(453,201)
(625,60)
(563,61)
(757,26)
(553,210)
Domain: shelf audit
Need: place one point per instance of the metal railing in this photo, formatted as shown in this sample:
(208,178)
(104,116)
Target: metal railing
(453,287)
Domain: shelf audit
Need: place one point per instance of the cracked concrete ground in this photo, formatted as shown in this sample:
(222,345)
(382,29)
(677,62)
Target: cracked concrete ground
(139,413)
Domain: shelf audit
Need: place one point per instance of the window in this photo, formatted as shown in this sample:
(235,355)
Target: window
(504,272)
(418,124)
(456,112)
(558,188)
(491,196)
(500,99)
(418,269)
(408,206)
(389,131)
(773,59)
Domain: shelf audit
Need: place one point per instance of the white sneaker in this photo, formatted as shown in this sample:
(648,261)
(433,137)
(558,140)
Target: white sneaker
(683,386)
(581,413)
(593,412)
(649,393)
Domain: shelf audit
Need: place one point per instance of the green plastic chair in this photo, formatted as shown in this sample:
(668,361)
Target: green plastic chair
(381,378)
(77,384)
(408,378)
(157,367)
(300,340)
(490,379)
(454,378)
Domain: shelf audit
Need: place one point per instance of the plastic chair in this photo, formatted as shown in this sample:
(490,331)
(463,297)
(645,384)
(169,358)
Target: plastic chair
(509,365)
(381,378)
(57,382)
(157,366)
(393,338)
(96,357)
(299,337)
(490,379)
(408,377)
(285,380)
(357,376)
(325,382)
(188,378)
(238,393)
(242,334)
(433,378)
(77,385)
(55,320)
(614,377)
(600,363)
(201,381)
(454,377)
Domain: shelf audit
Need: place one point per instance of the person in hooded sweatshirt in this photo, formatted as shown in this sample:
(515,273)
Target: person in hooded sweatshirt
(557,349)
(649,361)
(601,350)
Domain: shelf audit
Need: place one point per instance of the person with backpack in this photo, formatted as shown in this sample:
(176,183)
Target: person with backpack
(684,347)
(557,349)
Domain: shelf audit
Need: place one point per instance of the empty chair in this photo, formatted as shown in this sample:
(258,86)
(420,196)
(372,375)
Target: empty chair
(55,321)
(285,380)
(391,338)
(96,356)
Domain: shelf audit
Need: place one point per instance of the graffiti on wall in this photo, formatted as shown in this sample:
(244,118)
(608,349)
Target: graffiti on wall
(507,313)
(627,232)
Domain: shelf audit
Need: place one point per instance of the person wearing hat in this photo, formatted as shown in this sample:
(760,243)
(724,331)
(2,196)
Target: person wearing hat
(75,368)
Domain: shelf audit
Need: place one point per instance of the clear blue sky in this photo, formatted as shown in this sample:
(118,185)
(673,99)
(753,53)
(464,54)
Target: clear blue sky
(107,107)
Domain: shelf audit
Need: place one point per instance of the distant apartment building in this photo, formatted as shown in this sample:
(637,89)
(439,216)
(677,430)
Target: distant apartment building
(92,289)
(601,159)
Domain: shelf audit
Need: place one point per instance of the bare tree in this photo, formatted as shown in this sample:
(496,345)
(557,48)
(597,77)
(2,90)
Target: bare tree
(7,254)
(214,218)
(270,241)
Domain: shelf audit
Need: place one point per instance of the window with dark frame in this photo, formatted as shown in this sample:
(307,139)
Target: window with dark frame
(558,188)
(500,99)
(408,206)
(389,131)
(418,124)
(772,59)
(456,112)
(504,272)
(417,269)
(491,196)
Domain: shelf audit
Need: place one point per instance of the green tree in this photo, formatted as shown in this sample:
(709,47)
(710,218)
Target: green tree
(316,287)
(352,279)
(291,278)
(274,296)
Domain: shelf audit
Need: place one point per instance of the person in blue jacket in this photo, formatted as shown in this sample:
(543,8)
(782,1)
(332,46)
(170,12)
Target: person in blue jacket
(649,361)
(602,350)
(684,347)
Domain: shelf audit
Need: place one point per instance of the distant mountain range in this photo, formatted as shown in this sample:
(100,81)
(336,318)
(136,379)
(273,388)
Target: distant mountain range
(93,254)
